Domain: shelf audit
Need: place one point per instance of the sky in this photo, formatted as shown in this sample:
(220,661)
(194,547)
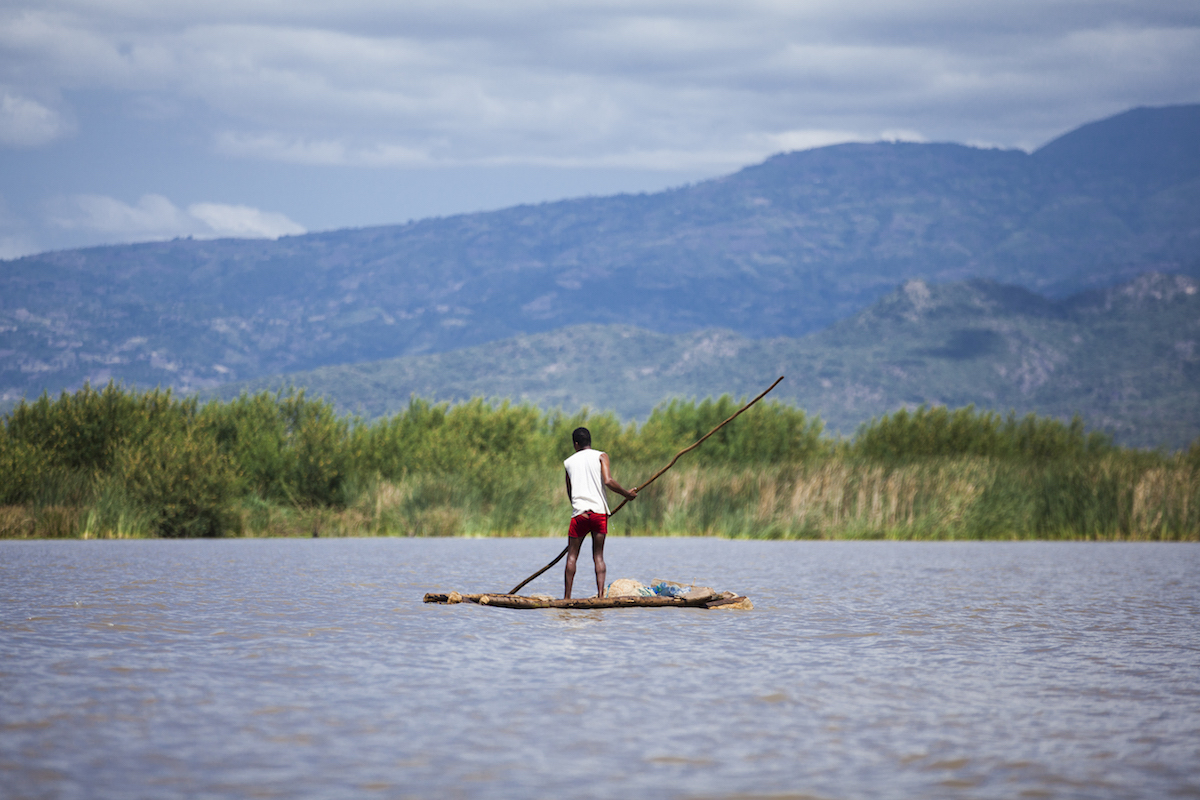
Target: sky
(135,120)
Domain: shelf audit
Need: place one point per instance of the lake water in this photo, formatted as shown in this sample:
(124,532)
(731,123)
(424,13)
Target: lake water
(311,668)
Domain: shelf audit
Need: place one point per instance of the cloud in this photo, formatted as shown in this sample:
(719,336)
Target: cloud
(154,217)
(808,139)
(243,222)
(367,110)
(27,123)
(276,147)
(464,82)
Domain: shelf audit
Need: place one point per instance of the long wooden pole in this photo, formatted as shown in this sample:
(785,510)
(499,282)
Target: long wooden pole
(655,477)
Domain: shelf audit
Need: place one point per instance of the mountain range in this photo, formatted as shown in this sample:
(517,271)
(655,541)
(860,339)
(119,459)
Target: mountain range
(1126,358)
(774,252)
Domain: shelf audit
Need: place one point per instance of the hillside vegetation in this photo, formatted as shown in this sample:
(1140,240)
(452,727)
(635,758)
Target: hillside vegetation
(112,463)
(1127,359)
(780,249)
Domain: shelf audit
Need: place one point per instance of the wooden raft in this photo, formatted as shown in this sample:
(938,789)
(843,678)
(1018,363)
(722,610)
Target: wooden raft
(695,600)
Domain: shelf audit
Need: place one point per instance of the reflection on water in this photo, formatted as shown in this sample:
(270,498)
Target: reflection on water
(312,669)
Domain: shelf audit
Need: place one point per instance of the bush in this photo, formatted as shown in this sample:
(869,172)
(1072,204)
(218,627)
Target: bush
(768,433)
(180,482)
(287,448)
(113,462)
(83,432)
(929,432)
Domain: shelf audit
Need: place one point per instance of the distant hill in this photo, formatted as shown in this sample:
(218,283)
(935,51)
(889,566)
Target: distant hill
(1126,358)
(783,248)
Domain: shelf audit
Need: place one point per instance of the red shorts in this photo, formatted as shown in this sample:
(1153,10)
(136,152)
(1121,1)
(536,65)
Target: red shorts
(588,522)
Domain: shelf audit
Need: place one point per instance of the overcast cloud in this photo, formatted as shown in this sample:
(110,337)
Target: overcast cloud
(136,104)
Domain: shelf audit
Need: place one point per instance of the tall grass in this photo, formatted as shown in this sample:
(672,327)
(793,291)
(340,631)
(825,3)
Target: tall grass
(937,498)
(117,463)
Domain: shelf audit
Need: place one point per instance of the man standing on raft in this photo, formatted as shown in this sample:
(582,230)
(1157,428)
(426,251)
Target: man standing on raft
(588,474)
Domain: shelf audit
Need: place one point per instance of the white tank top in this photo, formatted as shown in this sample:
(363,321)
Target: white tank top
(587,485)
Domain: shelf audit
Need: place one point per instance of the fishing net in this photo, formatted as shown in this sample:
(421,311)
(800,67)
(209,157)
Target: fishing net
(628,587)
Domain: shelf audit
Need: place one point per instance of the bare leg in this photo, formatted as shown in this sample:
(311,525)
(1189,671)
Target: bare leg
(573,545)
(598,558)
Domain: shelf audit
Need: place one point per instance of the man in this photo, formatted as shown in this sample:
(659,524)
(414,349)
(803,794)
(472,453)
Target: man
(588,474)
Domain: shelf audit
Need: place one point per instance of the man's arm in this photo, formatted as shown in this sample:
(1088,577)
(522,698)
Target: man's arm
(611,482)
(570,497)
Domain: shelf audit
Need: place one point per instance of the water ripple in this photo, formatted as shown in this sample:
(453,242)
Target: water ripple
(311,669)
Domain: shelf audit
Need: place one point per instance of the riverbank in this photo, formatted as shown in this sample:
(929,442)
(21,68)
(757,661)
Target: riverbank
(118,464)
(935,499)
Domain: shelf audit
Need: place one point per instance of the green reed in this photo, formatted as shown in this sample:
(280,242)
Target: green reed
(119,463)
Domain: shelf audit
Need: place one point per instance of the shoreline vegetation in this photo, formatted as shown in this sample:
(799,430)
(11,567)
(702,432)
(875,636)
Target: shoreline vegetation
(117,463)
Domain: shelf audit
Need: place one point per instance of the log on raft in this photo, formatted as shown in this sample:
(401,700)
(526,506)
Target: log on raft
(693,600)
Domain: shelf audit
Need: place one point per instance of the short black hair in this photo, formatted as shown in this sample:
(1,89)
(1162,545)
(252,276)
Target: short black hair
(582,436)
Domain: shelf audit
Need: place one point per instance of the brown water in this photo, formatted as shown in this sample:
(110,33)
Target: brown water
(293,668)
